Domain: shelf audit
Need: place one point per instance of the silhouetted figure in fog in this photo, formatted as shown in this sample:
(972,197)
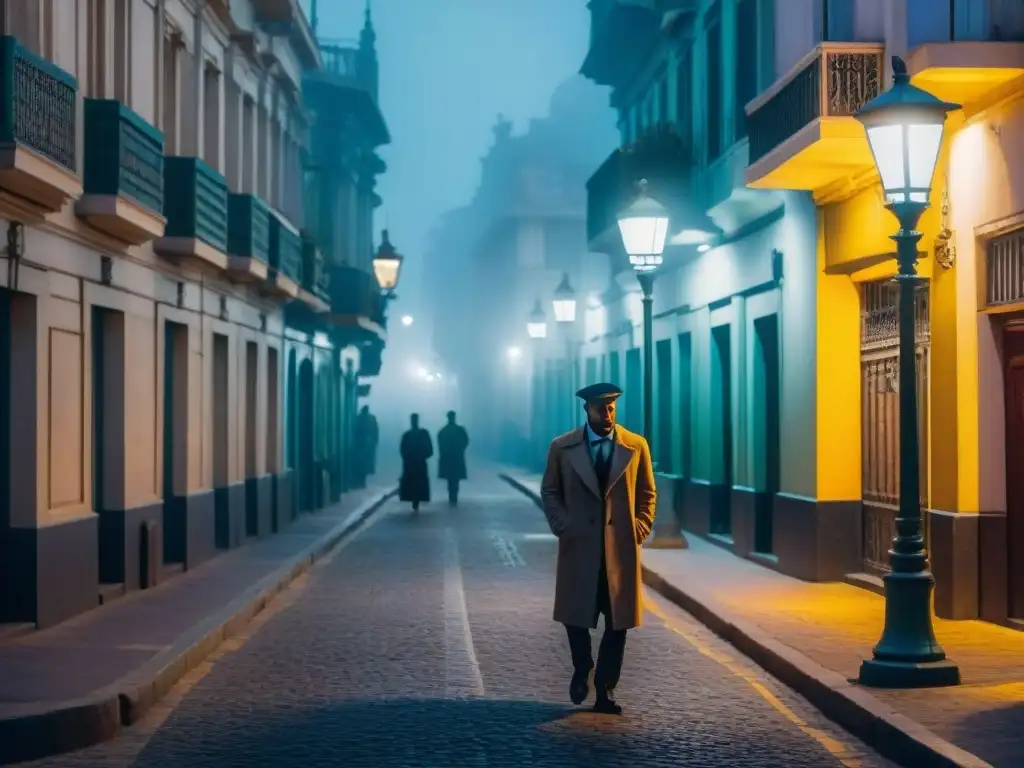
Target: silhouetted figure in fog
(416,448)
(367,435)
(452,442)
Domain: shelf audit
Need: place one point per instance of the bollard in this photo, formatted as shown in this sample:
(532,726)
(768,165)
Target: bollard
(668,531)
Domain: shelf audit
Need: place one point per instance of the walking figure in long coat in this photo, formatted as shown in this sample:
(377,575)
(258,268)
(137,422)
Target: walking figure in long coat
(415,449)
(599,498)
(367,435)
(452,442)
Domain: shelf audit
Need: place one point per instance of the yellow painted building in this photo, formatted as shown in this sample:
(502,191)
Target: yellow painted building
(180,374)
(803,137)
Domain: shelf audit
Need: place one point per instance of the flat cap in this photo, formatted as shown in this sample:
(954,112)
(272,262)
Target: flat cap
(601,391)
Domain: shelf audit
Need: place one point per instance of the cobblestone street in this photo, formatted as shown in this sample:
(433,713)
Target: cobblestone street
(428,642)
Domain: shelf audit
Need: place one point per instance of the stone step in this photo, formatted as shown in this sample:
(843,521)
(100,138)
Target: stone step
(110,592)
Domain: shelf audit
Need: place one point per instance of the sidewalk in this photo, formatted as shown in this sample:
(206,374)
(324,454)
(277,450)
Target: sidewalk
(814,636)
(75,684)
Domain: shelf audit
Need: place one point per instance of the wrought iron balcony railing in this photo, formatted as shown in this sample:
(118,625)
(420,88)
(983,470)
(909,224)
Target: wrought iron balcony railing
(353,292)
(285,250)
(195,202)
(834,80)
(124,155)
(248,227)
(37,99)
(316,277)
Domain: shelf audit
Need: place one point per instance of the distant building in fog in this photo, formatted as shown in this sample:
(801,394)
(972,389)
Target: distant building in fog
(509,247)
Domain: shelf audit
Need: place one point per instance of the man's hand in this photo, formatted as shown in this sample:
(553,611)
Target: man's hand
(552,495)
(646,495)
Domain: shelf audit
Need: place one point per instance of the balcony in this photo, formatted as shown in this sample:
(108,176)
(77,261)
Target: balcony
(314,291)
(661,157)
(285,18)
(621,33)
(285,275)
(248,238)
(802,131)
(196,207)
(974,74)
(355,305)
(339,91)
(37,134)
(124,173)
(371,356)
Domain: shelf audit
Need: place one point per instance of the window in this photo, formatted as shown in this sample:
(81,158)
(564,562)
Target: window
(171,92)
(97,48)
(122,51)
(713,119)
(211,116)
(746,61)
(248,145)
(684,97)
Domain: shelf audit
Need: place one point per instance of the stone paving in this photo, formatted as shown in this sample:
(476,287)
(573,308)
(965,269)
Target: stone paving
(837,625)
(427,641)
(99,647)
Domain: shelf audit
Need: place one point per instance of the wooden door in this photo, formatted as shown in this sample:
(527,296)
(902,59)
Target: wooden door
(1014,391)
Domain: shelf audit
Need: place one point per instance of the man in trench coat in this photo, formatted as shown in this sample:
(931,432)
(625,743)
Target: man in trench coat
(599,498)
(452,442)
(416,448)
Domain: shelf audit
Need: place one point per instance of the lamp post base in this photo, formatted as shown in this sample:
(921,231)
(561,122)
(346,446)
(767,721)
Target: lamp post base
(907,674)
(908,655)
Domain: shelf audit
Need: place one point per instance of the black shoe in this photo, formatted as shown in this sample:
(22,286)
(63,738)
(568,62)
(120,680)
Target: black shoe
(606,705)
(579,687)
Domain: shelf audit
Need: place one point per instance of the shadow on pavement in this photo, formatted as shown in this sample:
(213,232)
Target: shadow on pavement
(994,734)
(434,734)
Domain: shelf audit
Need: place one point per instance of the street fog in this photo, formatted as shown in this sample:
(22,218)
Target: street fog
(494,134)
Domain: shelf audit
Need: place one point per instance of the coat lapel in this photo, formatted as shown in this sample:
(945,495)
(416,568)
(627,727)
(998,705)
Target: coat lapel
(621,457)
(579,458)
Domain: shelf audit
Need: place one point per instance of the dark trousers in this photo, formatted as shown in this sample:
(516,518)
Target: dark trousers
(453,492)
(613,643)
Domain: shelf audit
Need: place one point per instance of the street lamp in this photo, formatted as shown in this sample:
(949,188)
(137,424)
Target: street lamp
(644,225)
(904,127)
(514,353)
(537,325)
(564,304)
(387,266)
(406,320)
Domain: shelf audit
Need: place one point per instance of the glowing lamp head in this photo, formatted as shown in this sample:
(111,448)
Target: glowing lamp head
(406,320)
(537,325)
(564,302)
(514,353)
(387,264)
(643,225)
(904,127)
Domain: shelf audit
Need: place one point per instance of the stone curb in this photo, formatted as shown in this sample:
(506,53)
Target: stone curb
(895,736)
(42,730)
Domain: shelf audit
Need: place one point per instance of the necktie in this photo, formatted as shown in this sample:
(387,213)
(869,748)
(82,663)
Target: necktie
(601,446)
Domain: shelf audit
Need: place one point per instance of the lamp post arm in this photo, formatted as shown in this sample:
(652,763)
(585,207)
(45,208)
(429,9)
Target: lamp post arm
(646,280)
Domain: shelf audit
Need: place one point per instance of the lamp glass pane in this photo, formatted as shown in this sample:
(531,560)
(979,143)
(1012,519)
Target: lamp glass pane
(385,268)
(644,234)
(537,330)
(923,142)
(887,147)
(565,310)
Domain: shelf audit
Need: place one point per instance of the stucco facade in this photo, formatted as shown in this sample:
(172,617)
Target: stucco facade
(164,311)
(791,173)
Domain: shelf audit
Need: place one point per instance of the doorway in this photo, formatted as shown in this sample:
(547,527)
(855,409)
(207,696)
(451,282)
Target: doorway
(107,342)
(225,532)
(663,433)
(252,358)
(685,379)
(1013,355)
(634,396)
(766,373)
(305,436)
(721,403)
(175,441)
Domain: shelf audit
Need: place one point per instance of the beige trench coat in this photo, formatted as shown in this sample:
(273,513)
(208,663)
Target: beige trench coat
(574,509)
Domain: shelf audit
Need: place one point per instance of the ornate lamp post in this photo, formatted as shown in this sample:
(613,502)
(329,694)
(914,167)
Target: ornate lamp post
(537,330)
(643,226)
(904,127)
(564,304)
